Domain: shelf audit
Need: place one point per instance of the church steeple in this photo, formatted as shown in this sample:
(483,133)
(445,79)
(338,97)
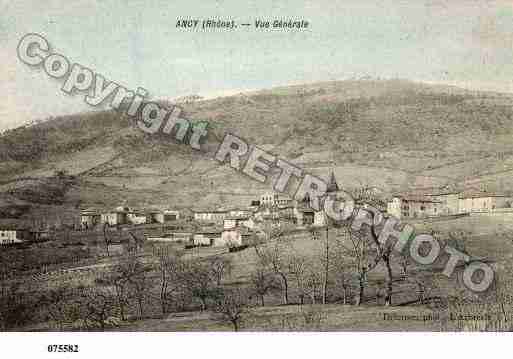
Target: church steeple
(332,184)
(306,200)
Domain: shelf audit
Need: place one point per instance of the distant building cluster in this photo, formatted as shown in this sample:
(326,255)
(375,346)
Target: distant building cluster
(91,217)
(239,225)
(198,227)
(13,234)
(217,226)
(446,203)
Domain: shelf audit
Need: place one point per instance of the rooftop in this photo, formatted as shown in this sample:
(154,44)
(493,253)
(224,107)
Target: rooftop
(481,194)
(417,198)
(332,184)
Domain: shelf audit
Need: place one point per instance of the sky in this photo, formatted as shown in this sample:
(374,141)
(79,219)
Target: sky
(136,43)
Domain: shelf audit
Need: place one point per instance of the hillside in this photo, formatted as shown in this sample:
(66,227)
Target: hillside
(391,134)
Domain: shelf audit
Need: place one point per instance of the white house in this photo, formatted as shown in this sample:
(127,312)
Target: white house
(13,235)
(136,217)
(270,199)
(232,222)
(415,206)
(206,237)
(240,213)
(154,216)
(89,218)
(118,216)
(234,237)
(446,203)
(171,215)
(175,237)
(210,215)
(483,202)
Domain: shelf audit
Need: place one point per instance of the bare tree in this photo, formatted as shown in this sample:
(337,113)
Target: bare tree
(364,247)
(171,267)
(271,253)
(119,280)
(314,282)
(340,266)
(140,284)
(220,267)
(274,256)
(106,239)
(200,282)
(325,258)
(359,253)
(134,274)
(98,305)
(231,305)
(298,265)
(263,283)
(57,304)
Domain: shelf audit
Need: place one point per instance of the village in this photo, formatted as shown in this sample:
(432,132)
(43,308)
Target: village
(448,203)
(237,227)
(197,227)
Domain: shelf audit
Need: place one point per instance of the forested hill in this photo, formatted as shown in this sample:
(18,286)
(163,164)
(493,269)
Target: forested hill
(393,134)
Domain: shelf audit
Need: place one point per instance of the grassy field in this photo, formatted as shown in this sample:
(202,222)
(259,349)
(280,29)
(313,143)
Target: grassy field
(390,135)
(329,317)
(83,261)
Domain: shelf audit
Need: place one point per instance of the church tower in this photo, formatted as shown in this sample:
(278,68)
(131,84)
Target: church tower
(332,184)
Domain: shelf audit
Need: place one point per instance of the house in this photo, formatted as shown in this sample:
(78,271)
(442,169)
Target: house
(255,204)
(394,207)
(89,218)
(272,199)
(232,222)
(333,192)
(171,215)
(263,213)
(154,216)
(176,237)
(40,235)
(304,216)
(136,217)
(240,213)
(319,219)
(14,234)
(206,237)
(415,206)
(286,213)
(116,217)
(440,203)
(234,237)
(450,203)
(211,215)
(483,202)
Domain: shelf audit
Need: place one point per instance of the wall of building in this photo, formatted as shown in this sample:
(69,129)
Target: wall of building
(204,239)
(170,215)
(394,207)
(445,204)
(89,221)
(135,218)
(210,216)
(10,237)
(274,199)
(229,238)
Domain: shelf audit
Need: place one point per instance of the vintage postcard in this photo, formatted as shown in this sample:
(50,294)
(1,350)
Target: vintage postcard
(231,166)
